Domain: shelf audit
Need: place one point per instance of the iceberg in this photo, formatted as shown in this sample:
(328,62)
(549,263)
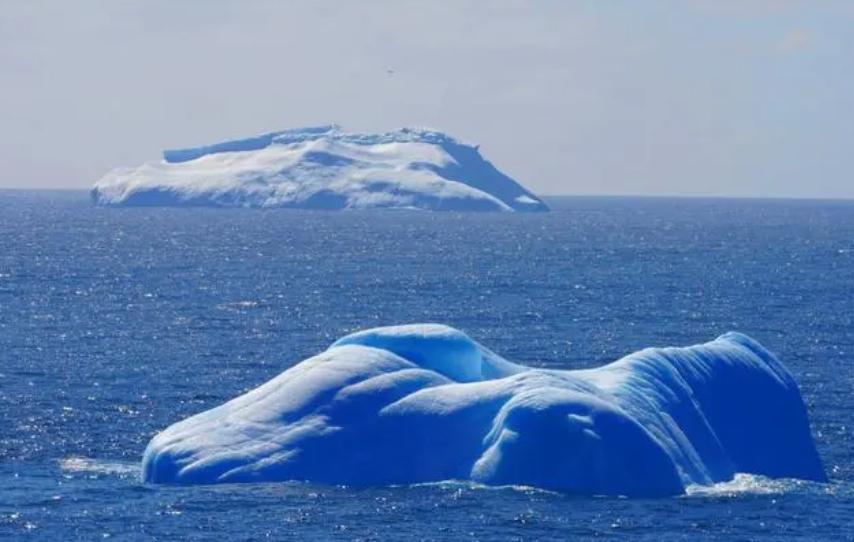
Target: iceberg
(425,403)
(322,168)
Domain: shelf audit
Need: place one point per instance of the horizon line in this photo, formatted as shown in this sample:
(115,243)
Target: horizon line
(566,195)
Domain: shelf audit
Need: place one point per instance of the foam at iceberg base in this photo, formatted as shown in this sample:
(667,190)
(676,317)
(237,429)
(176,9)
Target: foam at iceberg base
(423,403)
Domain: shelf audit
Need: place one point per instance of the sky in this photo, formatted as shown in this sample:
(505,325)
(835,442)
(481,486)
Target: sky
(712,98)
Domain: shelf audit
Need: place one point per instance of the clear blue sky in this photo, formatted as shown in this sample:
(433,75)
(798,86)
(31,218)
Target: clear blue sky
(752,98)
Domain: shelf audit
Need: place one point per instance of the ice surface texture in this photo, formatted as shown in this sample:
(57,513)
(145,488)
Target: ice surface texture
(322,168)
(423,403)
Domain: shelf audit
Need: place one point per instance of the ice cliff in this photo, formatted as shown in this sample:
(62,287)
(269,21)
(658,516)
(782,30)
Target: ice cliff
(424,403)
(322,168)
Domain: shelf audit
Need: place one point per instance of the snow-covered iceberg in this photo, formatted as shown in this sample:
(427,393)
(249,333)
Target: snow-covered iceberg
(424,403)
(322,168)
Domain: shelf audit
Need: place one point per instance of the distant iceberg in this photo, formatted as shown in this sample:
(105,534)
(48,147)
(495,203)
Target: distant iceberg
(322,168)
(425,403)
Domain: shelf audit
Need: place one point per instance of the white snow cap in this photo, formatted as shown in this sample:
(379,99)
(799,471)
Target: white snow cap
(322,168)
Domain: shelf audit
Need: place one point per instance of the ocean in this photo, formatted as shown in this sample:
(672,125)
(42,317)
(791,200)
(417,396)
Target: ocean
(115,323)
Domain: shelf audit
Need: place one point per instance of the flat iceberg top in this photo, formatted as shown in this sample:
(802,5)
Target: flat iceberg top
(322,168)
(425,403)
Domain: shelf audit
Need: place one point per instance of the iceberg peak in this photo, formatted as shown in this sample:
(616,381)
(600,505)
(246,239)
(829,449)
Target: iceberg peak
(322,167)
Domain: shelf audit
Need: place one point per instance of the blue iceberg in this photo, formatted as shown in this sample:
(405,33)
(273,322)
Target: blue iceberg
(322,168)
(425,403)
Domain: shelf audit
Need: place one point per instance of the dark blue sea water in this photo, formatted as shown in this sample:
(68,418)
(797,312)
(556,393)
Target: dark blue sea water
(115,323)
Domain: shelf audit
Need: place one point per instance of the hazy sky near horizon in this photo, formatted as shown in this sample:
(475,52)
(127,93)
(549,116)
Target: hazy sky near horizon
(735,98)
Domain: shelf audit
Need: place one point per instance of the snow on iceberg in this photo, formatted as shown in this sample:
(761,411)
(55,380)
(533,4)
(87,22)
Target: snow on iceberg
(322,168)
(424,403)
